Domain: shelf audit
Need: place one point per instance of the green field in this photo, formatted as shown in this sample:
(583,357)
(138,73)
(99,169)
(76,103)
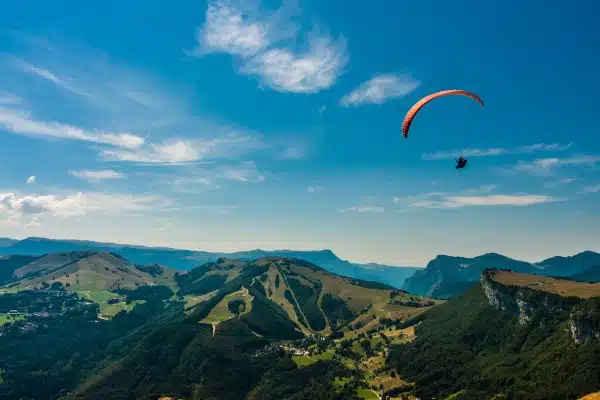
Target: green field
(9,318)
(303,361)
(101,298)
(221,312)
(366,394)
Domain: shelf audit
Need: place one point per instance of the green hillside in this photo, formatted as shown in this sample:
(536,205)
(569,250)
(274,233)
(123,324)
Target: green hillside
(473,350)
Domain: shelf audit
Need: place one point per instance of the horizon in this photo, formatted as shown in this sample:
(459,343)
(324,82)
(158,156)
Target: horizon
(335,253)
(248,124)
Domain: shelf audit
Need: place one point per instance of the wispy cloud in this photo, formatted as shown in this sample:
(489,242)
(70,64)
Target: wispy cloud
(379,89)
(264,44)
(49,76)
(7,98)
(497,151)
(364,209)
(548,166)
(313,189)
(178,151)
(592,189)
(128,115)
(31,180)
(518,200)
(475,197)
(559,182)
(22,123)
(97,175)
(246,172)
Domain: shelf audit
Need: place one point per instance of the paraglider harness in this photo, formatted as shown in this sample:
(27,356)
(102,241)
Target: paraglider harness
(461,162)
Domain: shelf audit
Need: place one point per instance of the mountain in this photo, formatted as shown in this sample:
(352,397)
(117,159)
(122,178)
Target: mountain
(7,242)
(8,265)
(243,306)
(447,276)
(511,336)
(92,325)
(187,259)
(589,275)
(81,271)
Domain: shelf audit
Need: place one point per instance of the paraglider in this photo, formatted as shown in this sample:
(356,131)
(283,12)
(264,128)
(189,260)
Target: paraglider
(410,115)
(461,162)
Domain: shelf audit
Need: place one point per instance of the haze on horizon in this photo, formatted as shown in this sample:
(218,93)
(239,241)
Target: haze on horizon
(236,125)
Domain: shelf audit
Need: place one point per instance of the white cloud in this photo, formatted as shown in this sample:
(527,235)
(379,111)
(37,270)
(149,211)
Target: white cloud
(497,151)
(364,209)
(313,189)
(257,38)
(31,180)
(77,204)
(38,204)
(379,89)
(474,197)
(21,123)
(488,200)
(97,175)
(228,29)
(33,223)
(309,71)
(547,166)
(176,151)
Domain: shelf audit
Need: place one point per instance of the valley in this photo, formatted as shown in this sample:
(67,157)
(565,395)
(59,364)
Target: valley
(286,328)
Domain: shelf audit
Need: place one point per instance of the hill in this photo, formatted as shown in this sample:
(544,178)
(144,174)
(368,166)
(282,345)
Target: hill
(187,259)
(85,271)
(511,336)
(446,276)
(589,275)
(91,325)
(233,310)
(305,297)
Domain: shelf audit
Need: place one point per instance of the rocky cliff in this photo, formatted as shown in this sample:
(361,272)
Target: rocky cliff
(582,315)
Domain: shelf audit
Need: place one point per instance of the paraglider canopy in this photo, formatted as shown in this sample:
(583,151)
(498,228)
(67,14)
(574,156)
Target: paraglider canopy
(410,115)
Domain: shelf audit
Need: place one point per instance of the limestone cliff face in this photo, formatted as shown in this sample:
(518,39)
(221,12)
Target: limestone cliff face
(583,316)
(584,321)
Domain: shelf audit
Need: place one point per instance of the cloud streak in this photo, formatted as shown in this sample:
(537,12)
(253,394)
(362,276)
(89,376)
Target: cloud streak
(49,76)
(97,175)
(515,200)
(363,209)
(482,196)
(22,123)
(548,166)
(497,151)
(380,89)
(261,42)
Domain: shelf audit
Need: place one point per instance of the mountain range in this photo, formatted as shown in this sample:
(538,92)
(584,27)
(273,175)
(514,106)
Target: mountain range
(187,259)
(91,324)
(446,276)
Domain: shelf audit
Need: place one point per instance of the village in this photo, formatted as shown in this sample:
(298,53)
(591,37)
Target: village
(28,311)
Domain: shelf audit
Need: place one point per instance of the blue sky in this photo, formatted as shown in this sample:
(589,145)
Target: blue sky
(240,124)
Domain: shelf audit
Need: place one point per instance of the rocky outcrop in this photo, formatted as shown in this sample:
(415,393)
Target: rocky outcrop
(584,321)
(582,315)
(523,301)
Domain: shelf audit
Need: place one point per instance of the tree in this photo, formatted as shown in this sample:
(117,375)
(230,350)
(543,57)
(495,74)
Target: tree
(236,306)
